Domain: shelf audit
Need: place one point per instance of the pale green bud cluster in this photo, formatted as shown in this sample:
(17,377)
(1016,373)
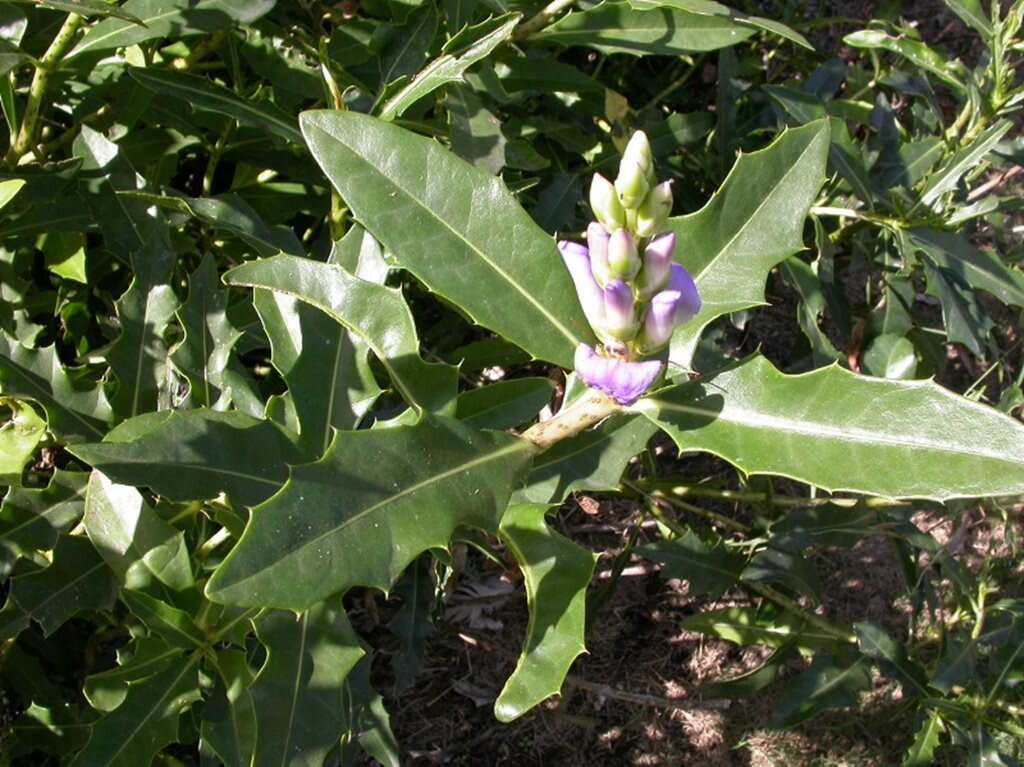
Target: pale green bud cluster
(635,201)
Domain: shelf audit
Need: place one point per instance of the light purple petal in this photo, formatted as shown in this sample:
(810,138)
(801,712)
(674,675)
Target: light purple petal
(624,381)
(680,280)
(577,261)
(660,248)
(597,242)
(661,318)
(657,261)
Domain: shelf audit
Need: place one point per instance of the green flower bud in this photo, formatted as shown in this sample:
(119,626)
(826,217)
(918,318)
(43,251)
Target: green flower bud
(605,203)
(654,211)
(632,184)
(623,259)
(638,151)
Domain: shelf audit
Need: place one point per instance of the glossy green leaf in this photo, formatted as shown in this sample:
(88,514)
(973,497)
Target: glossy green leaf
(65,255)
(978,268)
(375,313)
(505,404)
(75,410)
(744,626)
(139,547)
(362,513)
(556,572)
(890,356)
(202,93)
(476,132)
(296,695)
(948,175)
(229,719)
(922,750)
(133,733)
(77,579)
(710,569)
(9,189)
(460,53)
(143,658)
(324,364)
(614,27)
(829,682)
(485,255)
(85,8)
(32,520)
(163,18)
(709,8)
(169,623)
(140,354)
(950,72)
(840,431)
(197,454)
(593,460)
(20,433)
(755,220)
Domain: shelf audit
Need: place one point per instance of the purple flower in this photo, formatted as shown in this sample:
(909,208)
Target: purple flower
(671,307)
(680,279)
(597,242)
(624,381)
(619,316)
(591,295)
(657,262)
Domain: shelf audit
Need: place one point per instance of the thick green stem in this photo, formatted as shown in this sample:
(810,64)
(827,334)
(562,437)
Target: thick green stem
(29,131)
(590,409)
(539,21)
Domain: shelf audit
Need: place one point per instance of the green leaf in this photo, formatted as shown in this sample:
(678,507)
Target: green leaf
(75,410)
(505,404)
(978,268)
(744,626)
(952,170)
(459,54)
(593,460)
(133,733)
(60,730)
(153,19)
(794,571)
(412,624)
(710,569)
(755,220)
(876,644)
(140,548)
(197,454)
(77,579)
(169,623)
(840,431)
(361,514)
(828,683)
(494,263)
(972,14)
(32,520)
(556,572)
(890,356)
(143,658)
(140,354)
(966,320)
(717,9)
(204,355)
(65,255)
(920,55)
(8,190)
(84,8)
(229,719)
(297,694)
(19,436)
(375,313)
(823,526)
(922,750)
(476,132)
(614,27)
(205,94)
(813,303)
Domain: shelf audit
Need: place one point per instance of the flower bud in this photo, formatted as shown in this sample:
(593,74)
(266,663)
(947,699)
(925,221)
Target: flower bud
(655,210)
(623,381)
(605,203)
(577,261)
(681,281)
(632,184)
(638,150)
(657,262)
(623,260)
(597,242)
(620,320)
(669,309)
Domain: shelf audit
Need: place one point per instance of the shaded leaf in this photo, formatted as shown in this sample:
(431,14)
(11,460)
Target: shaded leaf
(505,404)
(229,718)
(143,658)
(709,569)
(32,520)
(830,682)
(922,750)
(948,175)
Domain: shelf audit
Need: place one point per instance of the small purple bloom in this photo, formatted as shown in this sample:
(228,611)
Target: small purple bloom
(577,260)
(661,318)
(657,263)
(624,381)
(689,305)
(619,318)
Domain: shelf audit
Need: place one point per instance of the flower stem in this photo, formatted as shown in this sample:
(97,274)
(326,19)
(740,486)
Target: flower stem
(537,22)
(590,409)
(29,130)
